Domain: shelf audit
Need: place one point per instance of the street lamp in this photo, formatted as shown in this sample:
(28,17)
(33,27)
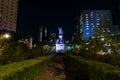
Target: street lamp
(6,35)
(102,39)
(4,38)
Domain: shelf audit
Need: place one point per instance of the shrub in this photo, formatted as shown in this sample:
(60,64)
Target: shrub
(38,51)
(108,58)
(14,52)
(96,70)
(25,70)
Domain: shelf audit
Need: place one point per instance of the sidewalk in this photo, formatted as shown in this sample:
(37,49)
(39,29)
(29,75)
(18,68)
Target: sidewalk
(61,69)
(54,71)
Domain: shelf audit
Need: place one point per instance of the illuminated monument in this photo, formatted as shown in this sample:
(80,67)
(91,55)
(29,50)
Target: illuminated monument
(60,46)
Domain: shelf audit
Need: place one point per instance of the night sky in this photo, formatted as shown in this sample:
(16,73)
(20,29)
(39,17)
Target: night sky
(35,13)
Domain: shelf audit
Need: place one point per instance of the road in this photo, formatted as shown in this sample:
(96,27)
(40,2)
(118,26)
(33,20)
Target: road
(61,69)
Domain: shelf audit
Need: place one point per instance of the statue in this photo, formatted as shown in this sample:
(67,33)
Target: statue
(60,46)
(60,30)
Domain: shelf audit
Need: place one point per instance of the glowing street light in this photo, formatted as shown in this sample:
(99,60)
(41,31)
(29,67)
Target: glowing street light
(102,39)
(6,35)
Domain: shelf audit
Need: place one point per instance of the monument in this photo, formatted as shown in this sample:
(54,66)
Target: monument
(60,46)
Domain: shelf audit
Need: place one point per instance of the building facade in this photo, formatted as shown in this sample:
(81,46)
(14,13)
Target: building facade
(8,14)
(94,18)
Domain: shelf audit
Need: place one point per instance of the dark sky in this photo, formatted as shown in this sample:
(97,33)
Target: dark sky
(35,13)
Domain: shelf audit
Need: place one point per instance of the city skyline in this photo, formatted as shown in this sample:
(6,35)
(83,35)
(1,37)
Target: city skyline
(53,14)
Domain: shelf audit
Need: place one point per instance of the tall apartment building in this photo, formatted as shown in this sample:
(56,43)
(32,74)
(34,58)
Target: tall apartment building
(94,18)
(8,14)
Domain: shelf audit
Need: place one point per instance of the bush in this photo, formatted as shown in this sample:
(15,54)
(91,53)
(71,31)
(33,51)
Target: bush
(96,70)
(108,58)
(14,52)
(25,70)
(38,51)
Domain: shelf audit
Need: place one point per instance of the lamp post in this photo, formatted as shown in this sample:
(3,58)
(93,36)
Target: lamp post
(6,36)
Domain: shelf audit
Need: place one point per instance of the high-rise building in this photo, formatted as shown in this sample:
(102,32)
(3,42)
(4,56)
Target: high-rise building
(8,14)
(44,34)
(94,18)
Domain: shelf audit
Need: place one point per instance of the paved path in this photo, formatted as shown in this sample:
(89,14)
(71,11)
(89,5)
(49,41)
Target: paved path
(60,69)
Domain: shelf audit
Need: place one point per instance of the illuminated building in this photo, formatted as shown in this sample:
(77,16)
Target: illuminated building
(8,15)
(44,34)
(94,18)
(60,44)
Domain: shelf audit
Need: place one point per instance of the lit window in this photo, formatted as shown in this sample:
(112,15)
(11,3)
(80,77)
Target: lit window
(86,19)
(98,24)
(87,26)
(91,12)
(87,33)
(45,32)
(98,19)
(91,15)
(91,23)
(86,16)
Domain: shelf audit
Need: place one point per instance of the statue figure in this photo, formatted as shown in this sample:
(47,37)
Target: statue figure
(60,30)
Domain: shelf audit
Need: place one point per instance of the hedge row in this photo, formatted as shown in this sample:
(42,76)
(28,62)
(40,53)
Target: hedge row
(111,59)
(96,70)
(25,70)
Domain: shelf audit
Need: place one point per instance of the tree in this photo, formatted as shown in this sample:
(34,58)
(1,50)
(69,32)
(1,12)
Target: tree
(98,40)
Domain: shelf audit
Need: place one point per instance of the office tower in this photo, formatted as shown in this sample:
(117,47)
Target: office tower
(8,14)
(94,18)
(44,34)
